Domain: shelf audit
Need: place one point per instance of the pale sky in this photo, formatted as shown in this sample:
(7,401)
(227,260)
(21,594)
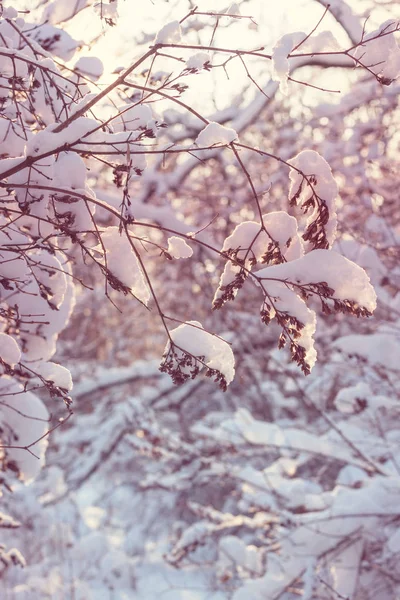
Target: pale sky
(141,19)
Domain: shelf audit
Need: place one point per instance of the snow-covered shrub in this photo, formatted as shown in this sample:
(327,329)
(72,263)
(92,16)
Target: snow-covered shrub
(109,182)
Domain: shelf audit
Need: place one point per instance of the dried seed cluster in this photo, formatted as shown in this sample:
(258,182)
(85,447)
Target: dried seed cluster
(182,366)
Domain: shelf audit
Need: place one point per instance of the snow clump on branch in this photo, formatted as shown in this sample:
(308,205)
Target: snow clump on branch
(191,348)
(214,133)
(178,248)
(380,53)
(169,34)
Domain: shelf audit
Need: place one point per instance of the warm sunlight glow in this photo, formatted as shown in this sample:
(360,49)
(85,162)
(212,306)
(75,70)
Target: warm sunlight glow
(199,300)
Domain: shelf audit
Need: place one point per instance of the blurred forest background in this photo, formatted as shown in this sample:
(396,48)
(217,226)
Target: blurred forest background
(284,486)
